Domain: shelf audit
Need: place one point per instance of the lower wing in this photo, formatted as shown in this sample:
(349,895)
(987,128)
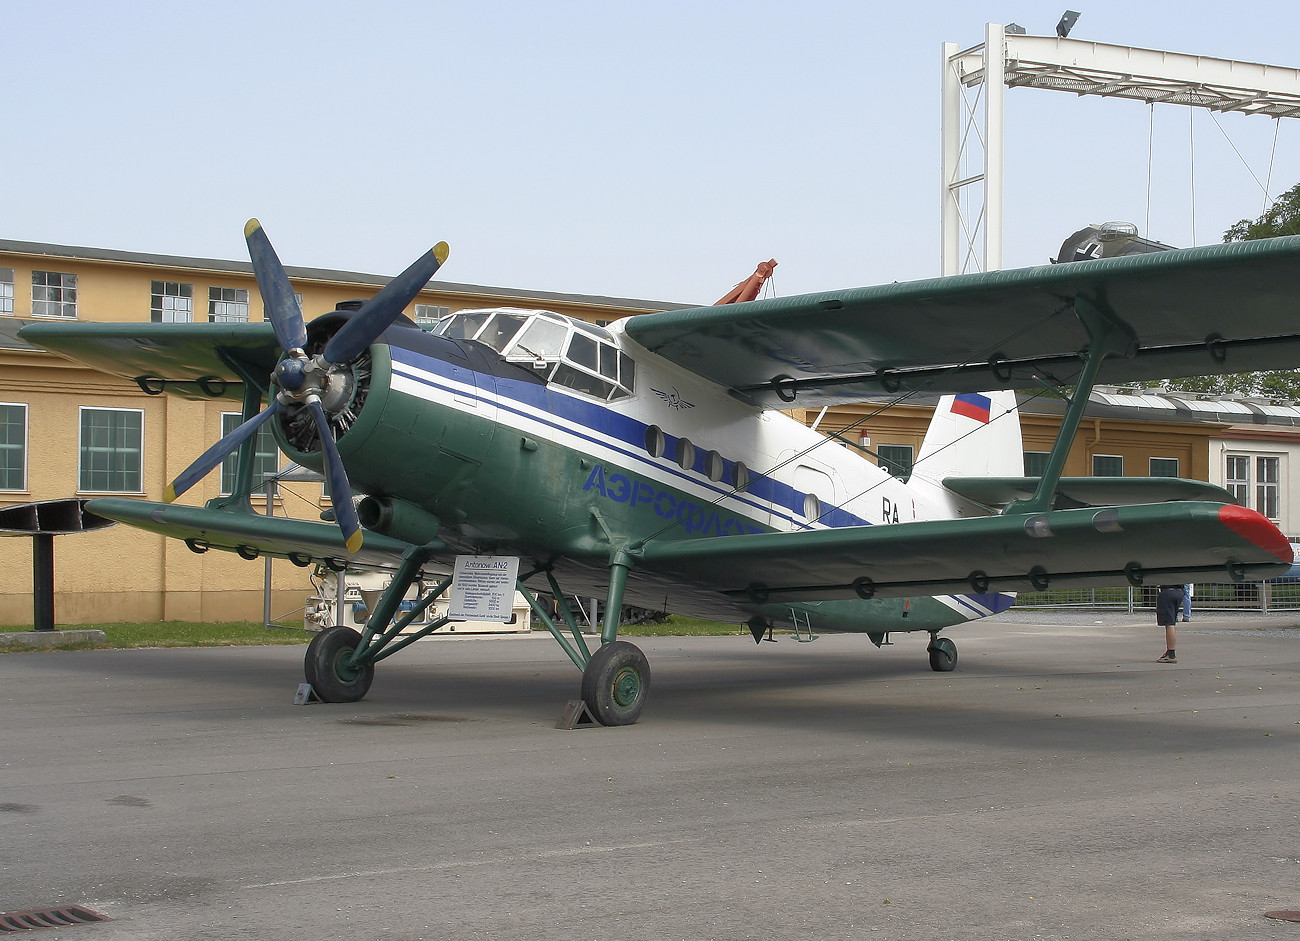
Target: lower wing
(1165,542)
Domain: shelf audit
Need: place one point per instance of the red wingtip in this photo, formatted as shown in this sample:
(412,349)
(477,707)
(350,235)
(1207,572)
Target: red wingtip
(1256,527)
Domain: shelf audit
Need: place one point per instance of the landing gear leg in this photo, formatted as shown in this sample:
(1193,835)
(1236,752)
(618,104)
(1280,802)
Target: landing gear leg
(943,654)
(616,680)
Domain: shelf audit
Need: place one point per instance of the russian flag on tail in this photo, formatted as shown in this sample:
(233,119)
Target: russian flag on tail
(972,405)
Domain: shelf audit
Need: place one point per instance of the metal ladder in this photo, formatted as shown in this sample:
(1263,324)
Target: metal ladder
(803,632)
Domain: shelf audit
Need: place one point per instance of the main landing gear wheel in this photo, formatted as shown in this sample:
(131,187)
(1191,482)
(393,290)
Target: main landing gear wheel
(329,666)
(616,682)
(943,655)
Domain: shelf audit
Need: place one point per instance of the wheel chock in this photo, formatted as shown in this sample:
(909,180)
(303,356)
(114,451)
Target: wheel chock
(305,695)
(576,715)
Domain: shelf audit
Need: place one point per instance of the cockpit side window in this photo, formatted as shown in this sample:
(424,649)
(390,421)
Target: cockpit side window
(500,330)
(461,326)
(541,339)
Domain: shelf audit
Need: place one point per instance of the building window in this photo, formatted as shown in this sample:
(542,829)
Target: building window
(430,313)
(1036,463)
(13,447)
(265,459)
(1266,486)
(6,290)
(111,450)
(227,305)
(1237,479)
(1107,465)
(1164,467)
(297,298)
(171,302)
(54,294)
(895,459)
(1254,480)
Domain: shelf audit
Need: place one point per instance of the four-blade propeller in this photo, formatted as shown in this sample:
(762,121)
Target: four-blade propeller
(299,378)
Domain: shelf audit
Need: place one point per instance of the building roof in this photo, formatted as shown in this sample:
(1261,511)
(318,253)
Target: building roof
(145,259)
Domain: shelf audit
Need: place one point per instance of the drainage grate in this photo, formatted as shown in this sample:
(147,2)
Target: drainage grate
(49,918)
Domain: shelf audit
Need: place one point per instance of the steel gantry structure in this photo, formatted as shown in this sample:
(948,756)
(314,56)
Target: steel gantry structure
(974,88)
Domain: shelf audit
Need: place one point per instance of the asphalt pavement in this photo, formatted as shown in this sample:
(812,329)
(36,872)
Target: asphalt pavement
(1059,784)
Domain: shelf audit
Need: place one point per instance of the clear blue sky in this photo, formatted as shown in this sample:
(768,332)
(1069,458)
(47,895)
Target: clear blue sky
(653,150)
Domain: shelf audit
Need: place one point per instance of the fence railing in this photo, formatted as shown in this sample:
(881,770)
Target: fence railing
(1279,594)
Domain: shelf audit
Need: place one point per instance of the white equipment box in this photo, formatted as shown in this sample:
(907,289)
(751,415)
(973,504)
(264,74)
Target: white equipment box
(363,590)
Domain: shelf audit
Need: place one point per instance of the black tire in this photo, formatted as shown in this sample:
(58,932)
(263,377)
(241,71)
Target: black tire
(328,669)
(616,683)
(943,655)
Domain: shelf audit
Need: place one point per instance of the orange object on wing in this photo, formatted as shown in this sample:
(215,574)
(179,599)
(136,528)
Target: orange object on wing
(748,289)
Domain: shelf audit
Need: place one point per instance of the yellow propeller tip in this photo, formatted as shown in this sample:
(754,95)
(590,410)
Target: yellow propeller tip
(169,495)
(441,251)
(251,226)
(353,542)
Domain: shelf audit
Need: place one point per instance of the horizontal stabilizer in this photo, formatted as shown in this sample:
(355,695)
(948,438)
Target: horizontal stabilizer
(1151,543)
(1074,492)
(251,535)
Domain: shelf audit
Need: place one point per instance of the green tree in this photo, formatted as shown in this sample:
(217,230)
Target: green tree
(1281,218)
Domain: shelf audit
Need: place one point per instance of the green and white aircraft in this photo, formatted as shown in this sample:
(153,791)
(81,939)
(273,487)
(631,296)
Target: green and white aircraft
(647,463)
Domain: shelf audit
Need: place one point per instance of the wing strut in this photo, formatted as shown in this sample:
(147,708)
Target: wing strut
(1108,335)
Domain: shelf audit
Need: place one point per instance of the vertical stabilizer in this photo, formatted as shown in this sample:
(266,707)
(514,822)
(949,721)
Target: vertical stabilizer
(971,435)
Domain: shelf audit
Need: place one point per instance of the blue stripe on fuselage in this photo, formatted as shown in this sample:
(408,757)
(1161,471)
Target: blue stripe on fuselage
(619,432)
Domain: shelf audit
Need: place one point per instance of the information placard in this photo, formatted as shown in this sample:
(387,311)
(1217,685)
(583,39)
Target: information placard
(483,587)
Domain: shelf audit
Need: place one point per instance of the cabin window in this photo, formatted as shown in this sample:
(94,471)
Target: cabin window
(111,450)
(171,302)
(655,443)
(812,507)
(714,465)
(739,475)
(685,454)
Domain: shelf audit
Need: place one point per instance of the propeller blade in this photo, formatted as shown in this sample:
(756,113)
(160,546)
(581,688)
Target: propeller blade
(378,313)
(340,490)
(214,455)
(281,306)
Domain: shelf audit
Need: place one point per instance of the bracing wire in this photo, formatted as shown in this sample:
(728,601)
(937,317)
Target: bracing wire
(1151,141)
(1244,163)
(1191,164)
(1268,180)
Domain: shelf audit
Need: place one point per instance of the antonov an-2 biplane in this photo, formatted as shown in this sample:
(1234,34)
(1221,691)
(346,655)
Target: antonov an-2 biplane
(648,463)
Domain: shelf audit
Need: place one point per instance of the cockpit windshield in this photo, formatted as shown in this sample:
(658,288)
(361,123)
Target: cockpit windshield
(566,352)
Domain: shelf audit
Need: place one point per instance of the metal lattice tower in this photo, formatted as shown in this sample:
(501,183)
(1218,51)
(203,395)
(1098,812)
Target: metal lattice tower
(974,88)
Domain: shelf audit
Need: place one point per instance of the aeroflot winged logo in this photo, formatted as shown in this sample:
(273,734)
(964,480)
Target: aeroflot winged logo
(972,405)
(673,399)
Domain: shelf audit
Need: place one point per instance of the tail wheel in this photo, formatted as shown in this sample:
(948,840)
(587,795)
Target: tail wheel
(943,655)
(329,667)
(616,683)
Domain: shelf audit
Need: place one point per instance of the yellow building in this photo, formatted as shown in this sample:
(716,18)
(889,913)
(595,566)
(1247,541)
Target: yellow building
(69,431)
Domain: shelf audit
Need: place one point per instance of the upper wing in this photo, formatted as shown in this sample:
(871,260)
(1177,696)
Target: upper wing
(1200,311)
(194,360)
(1166,542)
